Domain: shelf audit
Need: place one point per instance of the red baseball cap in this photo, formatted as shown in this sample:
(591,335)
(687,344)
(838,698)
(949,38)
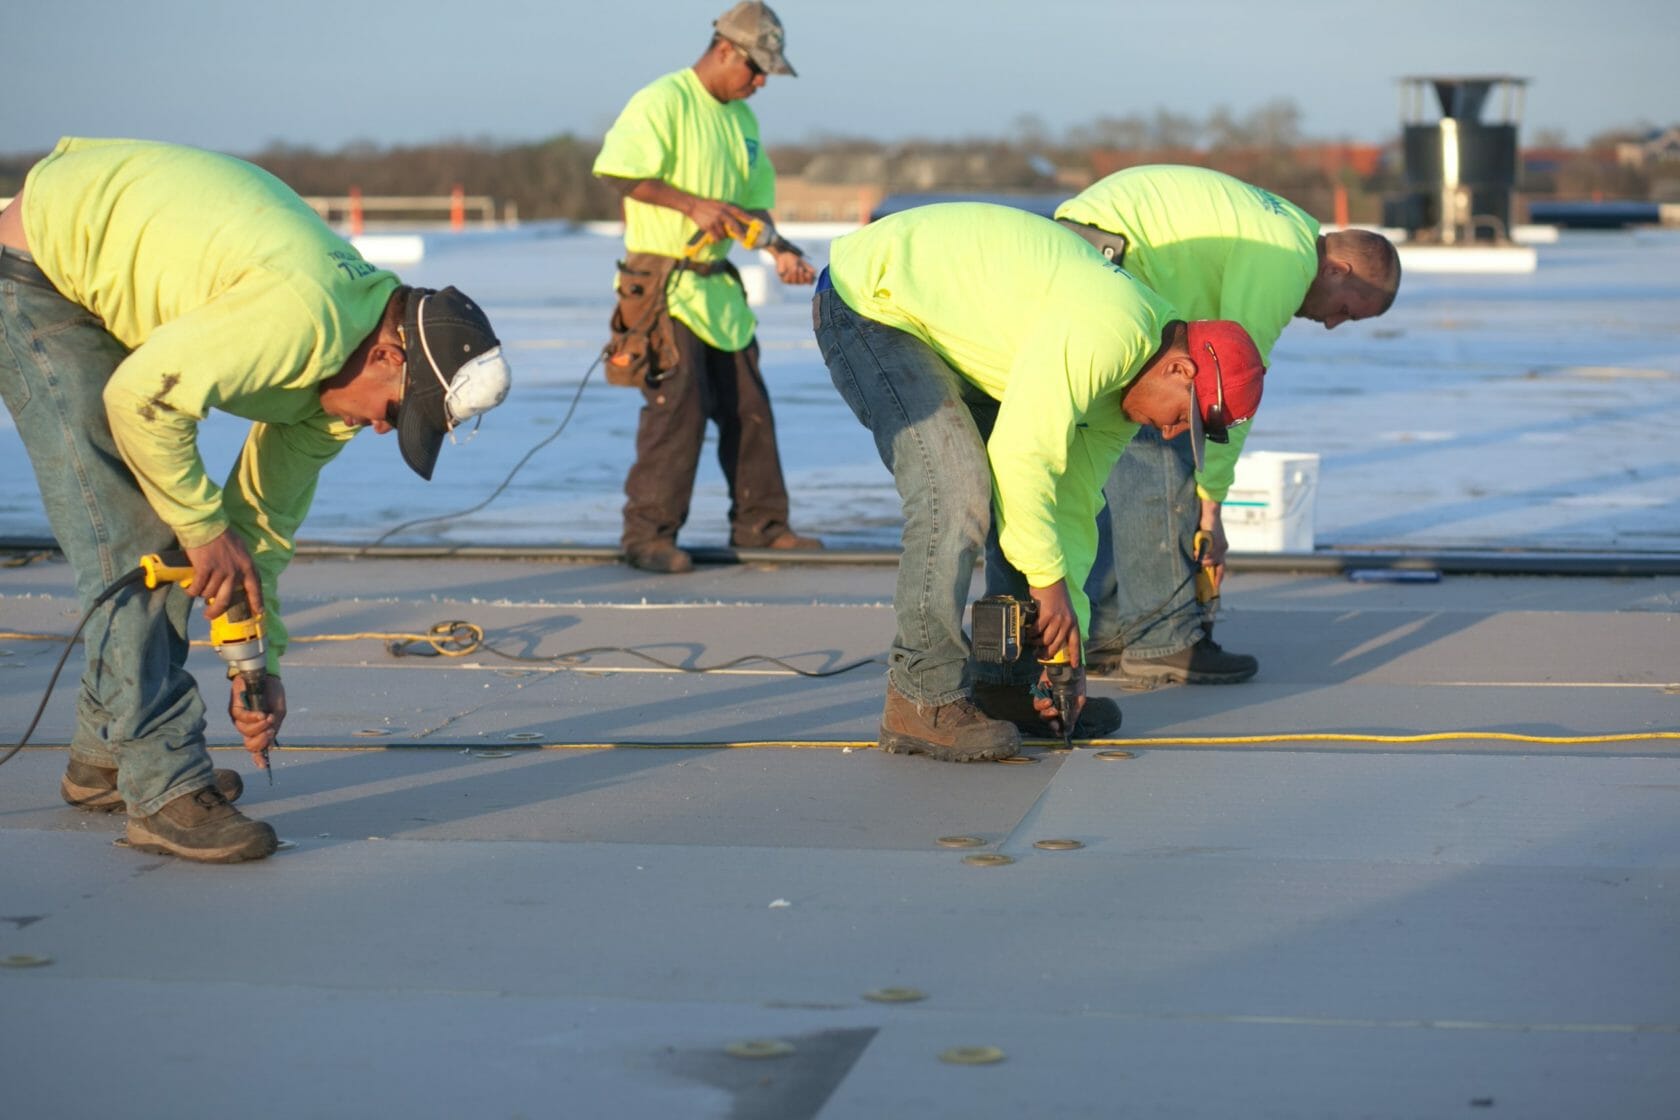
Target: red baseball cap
(1229,376)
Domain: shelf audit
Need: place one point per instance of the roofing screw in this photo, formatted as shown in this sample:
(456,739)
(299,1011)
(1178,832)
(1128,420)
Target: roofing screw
(960,842)
(1058,845)
(972,1055)
(1114,756)
(988,859)
(759,1048)
(895,995)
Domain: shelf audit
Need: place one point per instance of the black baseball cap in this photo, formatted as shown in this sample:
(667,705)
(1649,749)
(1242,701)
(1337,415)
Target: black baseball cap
(455,372)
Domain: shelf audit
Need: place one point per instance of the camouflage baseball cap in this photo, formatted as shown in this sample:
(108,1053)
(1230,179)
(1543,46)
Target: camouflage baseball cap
(754,28)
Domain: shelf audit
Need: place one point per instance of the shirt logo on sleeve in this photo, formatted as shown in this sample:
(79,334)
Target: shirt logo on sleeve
(752,151)
(351,264)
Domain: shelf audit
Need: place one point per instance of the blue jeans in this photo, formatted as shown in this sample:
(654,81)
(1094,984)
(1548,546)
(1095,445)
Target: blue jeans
(920,411)
(1141,598)
(139,709)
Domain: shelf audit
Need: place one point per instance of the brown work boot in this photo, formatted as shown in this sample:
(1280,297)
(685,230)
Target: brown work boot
(659,556)
(94,788)
(782,541)
(954,732)
(202,825)
(1014,702)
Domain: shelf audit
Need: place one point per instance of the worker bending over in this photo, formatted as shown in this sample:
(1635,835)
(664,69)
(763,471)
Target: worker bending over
(1002,365)
(141,286)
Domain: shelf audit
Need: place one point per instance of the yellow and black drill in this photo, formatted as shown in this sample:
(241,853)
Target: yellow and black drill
(236,634)
(759,234)
(1207,579)
(1000,625)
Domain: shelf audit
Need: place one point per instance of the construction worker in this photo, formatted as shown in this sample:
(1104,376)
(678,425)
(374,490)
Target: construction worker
(685,155)
(142,285)
(1002,365)
(1213,247)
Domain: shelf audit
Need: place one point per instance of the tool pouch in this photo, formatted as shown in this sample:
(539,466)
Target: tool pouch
(642,347)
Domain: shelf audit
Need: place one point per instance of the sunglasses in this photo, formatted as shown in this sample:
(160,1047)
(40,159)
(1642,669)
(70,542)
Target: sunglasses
(1214,424)
(757,70)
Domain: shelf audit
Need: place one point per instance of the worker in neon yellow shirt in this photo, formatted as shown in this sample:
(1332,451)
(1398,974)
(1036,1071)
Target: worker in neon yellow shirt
(1213,247)
(685,155)
(1003,365)
(141,286)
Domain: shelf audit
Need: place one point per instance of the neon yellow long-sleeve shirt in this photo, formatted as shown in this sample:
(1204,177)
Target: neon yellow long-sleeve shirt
(1039,321)
(1215,248)
(231,294)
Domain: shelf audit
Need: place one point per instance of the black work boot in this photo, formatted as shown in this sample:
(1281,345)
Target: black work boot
(94,788)
(202,825)
(954,732)
(1014,702)
(1203,663)
(659,556)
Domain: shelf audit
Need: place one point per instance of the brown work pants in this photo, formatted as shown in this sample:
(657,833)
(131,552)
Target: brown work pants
(724,388)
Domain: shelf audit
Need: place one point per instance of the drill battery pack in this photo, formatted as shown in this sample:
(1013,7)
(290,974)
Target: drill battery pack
(999,627)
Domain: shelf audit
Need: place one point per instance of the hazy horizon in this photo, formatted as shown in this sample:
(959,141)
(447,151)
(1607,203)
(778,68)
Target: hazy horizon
(320,74)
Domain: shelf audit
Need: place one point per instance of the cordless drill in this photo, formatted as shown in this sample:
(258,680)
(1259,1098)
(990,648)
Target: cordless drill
(236,633)
(1000,625)
(1207,581)
(759,234)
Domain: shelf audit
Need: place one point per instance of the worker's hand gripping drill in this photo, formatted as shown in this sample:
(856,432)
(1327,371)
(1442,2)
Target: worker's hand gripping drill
(1056,627)
(258,702)
(753,233)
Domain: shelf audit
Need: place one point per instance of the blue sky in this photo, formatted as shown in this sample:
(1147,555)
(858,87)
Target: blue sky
(238,76)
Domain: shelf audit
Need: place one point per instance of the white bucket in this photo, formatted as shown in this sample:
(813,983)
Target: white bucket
(760,284)
(1271,504)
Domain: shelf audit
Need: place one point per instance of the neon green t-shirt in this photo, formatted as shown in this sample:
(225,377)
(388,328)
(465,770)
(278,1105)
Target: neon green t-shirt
(1216,248)
(1039,321)
(675,131)
(232,294)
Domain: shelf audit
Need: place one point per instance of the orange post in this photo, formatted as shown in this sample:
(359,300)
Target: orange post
(457,208)
(355,211)
(1341,205)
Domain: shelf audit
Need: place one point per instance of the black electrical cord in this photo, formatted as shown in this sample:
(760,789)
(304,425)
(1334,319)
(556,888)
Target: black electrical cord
(517,467)
(459,638)
(129,578)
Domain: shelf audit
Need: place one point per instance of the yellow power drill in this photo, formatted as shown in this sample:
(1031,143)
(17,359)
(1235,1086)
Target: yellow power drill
(1000,623)
(236,633)
(759,234)
(1207,581)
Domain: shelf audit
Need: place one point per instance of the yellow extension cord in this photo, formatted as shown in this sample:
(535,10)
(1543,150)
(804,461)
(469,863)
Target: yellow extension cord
(458,639)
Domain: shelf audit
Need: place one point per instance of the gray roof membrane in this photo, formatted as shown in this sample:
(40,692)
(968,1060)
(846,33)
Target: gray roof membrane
(495,905)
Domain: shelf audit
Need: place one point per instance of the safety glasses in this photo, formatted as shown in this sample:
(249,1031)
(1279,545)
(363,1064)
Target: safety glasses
(1214,424)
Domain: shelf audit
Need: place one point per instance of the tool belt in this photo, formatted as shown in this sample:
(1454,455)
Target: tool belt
(642,347)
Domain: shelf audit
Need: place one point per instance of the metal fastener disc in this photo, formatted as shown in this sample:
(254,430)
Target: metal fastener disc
(1018,760)
(24,960)
(972,1055)
(988,859)
(523,735)
(1114,756)
(895,995)
(1058,845)
(759,1048)
(370,733)
(960,842)
(285,845)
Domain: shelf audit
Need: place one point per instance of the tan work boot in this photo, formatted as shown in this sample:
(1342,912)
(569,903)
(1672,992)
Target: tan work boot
(94,788)
(954,732)
(202,825)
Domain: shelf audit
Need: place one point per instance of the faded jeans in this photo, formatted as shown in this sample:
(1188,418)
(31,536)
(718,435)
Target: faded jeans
(138,710)
(922,415)
(1141,598)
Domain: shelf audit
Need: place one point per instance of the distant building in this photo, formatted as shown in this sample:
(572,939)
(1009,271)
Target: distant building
(1657,146)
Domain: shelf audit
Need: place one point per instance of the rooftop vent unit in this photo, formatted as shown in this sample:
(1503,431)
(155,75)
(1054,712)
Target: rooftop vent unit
(1460,169)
